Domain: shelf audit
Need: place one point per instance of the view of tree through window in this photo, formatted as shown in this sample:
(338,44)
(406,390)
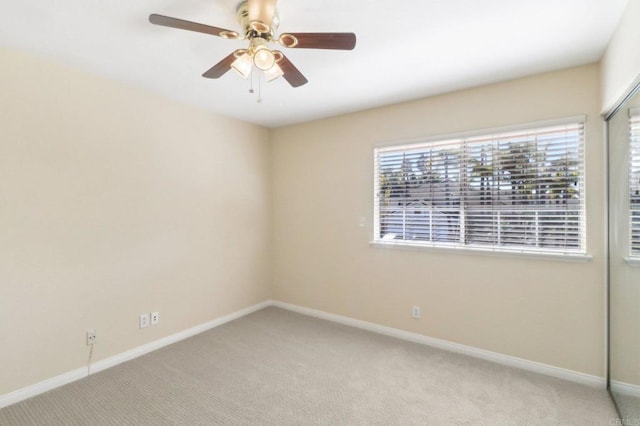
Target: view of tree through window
(634,182)
(512,190)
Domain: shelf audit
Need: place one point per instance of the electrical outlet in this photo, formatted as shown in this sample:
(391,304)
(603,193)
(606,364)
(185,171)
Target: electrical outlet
(91,337)
(155,318)
(144,320)
(415,312)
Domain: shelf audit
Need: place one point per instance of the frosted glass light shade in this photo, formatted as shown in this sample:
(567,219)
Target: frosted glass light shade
(272,73)
(243,65)
(264,59)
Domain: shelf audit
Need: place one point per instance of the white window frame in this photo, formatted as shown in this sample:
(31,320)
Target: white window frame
(579,253)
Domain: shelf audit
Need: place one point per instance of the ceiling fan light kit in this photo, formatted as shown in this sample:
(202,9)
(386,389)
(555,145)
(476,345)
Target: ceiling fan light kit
(259,20)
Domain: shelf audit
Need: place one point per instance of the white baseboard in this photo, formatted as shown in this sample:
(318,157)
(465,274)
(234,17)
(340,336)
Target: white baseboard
(625,388)
(511,361)
(80,373)
(71,376)
(42,387)
(165,341)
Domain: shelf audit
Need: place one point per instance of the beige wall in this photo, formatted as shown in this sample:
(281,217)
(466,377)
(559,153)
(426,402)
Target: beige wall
(541,310)
(621,62)
(115,202)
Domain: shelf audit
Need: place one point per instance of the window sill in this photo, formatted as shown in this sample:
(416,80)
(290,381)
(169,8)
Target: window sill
(633,261)
(563,257)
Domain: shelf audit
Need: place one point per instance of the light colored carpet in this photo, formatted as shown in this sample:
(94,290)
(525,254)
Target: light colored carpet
(275,367)
(629,407)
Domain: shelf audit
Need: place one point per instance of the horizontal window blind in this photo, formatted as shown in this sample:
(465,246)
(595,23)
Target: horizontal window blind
(634,182)
(519,190)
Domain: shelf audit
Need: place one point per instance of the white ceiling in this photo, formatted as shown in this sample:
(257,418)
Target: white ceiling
(405,49)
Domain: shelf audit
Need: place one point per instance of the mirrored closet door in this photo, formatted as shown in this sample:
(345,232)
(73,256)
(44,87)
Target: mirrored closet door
(624,258)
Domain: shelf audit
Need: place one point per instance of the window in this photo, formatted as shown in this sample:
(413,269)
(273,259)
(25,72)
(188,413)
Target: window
(634,182)
(520,190)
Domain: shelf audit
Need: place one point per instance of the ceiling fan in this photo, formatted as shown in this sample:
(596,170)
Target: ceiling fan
(259,21)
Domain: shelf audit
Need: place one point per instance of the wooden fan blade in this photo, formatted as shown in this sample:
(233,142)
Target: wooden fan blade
(340,41)
(181,24)
(219,69)
(290,72)
(261,12)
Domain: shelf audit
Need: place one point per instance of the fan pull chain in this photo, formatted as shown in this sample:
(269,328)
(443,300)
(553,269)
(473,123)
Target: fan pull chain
(251,91)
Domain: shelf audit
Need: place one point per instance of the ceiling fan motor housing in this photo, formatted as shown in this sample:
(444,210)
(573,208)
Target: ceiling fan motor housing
(253,29)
